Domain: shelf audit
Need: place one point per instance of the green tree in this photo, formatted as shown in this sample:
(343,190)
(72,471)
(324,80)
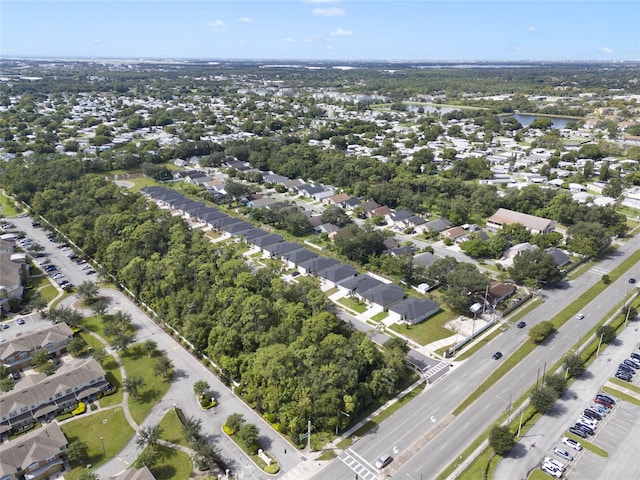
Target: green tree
(76,346)
(122,340)
(148,458)
(574,364)
(100,355)
(149,347)
(335,215)
(206,454)
(163,367)
(538,333)
(557,382)
(543,398)
(133,385)
(88,476)
(248,435)
(501,439)
(149,437)
(40,357)
(192,428)
(588,238)
(535,264)
(77,451)
(607,333)
(88,291)
(6,384)
(235,421)
(201,387)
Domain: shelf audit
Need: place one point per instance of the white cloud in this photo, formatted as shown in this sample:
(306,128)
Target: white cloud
(341,32)
(97,40)
(328,12)
(289,40)
(245,20)
(532,29)
(217,26)
(605,50)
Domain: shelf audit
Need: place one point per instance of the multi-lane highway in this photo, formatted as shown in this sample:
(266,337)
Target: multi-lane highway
(424,448)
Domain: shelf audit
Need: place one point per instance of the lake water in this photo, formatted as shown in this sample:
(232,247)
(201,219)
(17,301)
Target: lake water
(430,109)
(526,120)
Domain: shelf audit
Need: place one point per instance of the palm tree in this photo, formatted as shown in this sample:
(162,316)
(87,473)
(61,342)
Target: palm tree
(149,437)
(132,386)
(163,367)
(192,428)
(88,290)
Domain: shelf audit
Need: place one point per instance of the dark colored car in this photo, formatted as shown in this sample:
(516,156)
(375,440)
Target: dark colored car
(586,428)
(15,375)
(497,356)
(521,324)
(631,363)
(624,376)
(626,368)
(578,432)
(632,280)
(603,403)
(592,415)
(606,398)
(635,356)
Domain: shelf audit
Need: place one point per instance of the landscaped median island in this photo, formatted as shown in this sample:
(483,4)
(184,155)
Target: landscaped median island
(245,435)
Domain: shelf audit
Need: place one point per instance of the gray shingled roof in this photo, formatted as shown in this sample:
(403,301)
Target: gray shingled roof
(384,295)
(414,310)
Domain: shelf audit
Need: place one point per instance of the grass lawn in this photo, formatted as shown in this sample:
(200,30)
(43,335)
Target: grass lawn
(352,304)
(138,364)
(428,331)
(7,207)
(173,465)
(172,429)
(142,182)
(113,376)
(331,291)
(621,395)
(109,426)
(48,293)
(378,317)
(627,385)
(587,445)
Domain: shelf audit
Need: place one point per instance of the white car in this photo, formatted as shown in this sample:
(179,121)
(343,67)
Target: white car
(588,422)
(551,470)
(58,275)
(555,463)
(580,316)
(563,453)
(570,442)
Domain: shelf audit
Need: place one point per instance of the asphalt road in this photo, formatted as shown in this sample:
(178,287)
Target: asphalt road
(425,448)
(615,433)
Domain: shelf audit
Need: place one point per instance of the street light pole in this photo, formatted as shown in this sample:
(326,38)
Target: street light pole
(104,452)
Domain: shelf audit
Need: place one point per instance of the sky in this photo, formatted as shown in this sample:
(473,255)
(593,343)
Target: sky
(418,30)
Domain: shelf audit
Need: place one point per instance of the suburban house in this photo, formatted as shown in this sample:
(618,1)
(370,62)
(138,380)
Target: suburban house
(14,271)
(279,250)
(498,292)
(60,392)
(337,200)
(425,259)
(264,241)
(296,257)
(559,256)
(16,353)
(503,216)
(237,228)
(383,296)
(335,274)
(455,234)
(515,250)
(437,225)
(357,285)
(38,454)
(316,265)
(413,310)
(254,233)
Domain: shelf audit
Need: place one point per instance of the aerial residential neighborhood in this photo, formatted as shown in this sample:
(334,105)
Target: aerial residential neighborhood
(248,270)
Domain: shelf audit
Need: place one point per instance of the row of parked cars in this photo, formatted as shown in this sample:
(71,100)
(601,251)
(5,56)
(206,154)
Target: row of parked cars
(584,427)
(628,368)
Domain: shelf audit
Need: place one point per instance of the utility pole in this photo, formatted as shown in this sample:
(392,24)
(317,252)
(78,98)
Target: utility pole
(309,435)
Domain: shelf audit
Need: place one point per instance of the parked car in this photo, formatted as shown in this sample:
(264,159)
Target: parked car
(570,442)
(635,356)
(624,377)
(555,463)
(631,363)
(592,414)
(5,326)
(90,272)
(521,324)
(626,368)
(590,431)
(551,470)
(606,398)
(588,422)
(604,403)
(20,321)
(563,453)
(578,432)
(15,375)
(497,356)
(600,408)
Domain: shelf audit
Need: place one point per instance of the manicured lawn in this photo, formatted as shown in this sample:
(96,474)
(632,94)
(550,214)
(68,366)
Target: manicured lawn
(113,376)
(331,291)
(352,304)
(174,465)
(172,429)
(138,364)
(428,331)
(94,324)
(109,427)
(142,182)
(48,293)
(7,207)
(627,385)
(378,317)
(621,395)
